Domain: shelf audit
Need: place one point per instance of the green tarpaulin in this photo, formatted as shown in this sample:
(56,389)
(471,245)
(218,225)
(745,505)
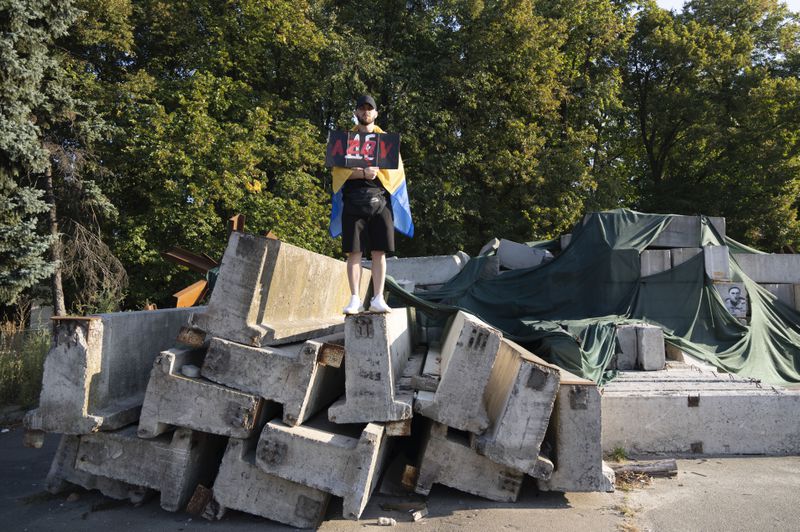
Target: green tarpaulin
(566,310)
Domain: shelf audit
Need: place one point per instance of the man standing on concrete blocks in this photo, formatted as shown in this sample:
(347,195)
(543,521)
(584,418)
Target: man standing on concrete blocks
(368,205)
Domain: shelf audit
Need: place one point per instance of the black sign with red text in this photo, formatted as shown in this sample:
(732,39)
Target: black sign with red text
(355,149)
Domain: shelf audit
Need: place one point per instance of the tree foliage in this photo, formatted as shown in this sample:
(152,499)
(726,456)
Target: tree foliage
(516,117)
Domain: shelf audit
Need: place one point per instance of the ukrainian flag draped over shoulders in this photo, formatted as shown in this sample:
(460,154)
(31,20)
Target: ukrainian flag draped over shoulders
(392,180)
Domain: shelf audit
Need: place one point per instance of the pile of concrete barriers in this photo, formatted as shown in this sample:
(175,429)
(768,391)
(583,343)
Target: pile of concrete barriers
(269,401)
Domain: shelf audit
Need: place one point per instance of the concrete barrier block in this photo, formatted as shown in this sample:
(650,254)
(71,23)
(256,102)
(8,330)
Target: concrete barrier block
(172,464)
(432,270)
(378,347)
(293,375)
(734,295)
(684,232)
(519,397)
(515,256)
(575,439)
(491,245)
(650,348)
(628,351)
(681,255)
(770,268)
(565,240)
(339,459)
(693,410)
(63,475)
(241,485)
(96,371)
(796,288)
(717,263)
(785,293)
(654,261)
(267,293)
(467,355)
(448,459)
(173,399)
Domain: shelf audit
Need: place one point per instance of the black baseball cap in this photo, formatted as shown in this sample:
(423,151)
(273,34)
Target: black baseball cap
(366,98)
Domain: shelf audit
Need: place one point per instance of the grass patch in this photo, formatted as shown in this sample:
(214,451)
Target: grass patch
(22,355)
(618,454)
(628,512)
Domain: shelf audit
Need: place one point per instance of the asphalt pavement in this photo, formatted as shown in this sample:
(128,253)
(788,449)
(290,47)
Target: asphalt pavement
(709,494)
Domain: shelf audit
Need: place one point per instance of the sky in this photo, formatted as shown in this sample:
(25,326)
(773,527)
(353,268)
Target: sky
(794,5)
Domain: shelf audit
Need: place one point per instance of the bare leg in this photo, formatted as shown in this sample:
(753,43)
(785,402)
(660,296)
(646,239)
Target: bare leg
(354,271)
(378,272)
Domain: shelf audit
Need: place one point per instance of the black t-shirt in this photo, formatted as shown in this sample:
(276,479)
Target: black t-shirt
(353,184)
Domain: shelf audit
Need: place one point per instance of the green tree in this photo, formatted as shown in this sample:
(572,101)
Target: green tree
(23,250)
(713,94)
(36,101)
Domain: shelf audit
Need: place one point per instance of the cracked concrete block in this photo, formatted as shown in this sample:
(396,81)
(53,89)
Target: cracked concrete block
(63,474)
(519,400)
(654,261)
(467,355)
(343,460)
(173,464)
(628,352)
(267,293)
(241,485)
(378,347)
(96,371)
(650,349)
(293,375)
(173,399)
(575,439)
(717,263)
(448,459)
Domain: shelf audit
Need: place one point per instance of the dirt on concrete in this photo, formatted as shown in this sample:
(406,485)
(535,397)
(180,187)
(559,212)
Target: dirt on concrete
(725,494)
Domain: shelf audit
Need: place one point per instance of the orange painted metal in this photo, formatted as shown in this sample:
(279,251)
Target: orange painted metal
(193,261)
(190,295)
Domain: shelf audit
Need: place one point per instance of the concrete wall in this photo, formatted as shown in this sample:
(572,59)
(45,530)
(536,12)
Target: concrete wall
(770,268)
(784,292)
(437,269)
(695,412)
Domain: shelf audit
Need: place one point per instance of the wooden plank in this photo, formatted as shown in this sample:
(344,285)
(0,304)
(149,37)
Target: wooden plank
(331,355)
(398,428)
(657,468)
(191,336)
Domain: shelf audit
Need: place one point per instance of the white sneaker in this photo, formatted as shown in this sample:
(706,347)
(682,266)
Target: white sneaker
(354,307)
(377,304)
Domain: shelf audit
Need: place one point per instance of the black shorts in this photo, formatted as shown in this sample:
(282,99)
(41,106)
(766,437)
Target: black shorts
(375,233)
